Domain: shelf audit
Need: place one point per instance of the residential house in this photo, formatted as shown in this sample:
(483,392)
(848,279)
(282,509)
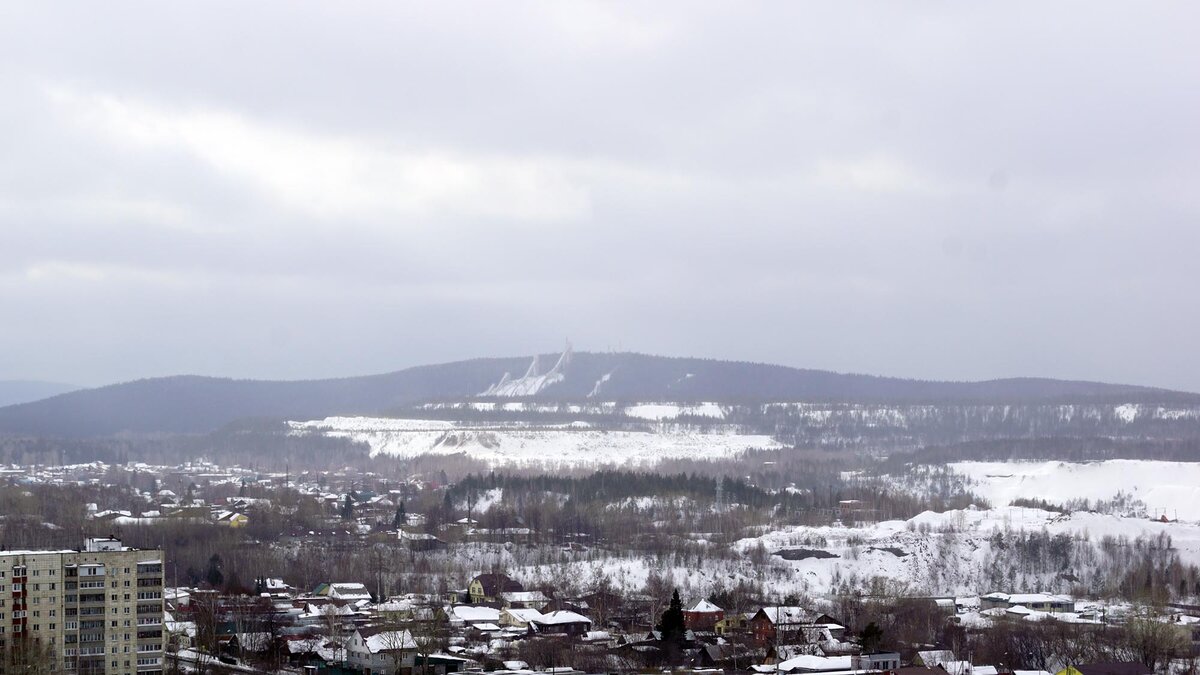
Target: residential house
(348,592)
(1040,602)
(514,617)
(490,587)
(419,542)
(703,616)
(524,599)
(470,615)
(875,661)
(382,651)
(562,622)
(782,625)
(733,624)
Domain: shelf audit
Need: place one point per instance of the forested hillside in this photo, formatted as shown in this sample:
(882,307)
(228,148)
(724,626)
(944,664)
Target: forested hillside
(190,404)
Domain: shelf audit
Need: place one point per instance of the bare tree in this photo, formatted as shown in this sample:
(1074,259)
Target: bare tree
(206,614)
(333,629)
(429,636)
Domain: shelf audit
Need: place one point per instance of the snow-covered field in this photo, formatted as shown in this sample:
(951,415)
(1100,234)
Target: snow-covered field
(1166,488)
(521,444)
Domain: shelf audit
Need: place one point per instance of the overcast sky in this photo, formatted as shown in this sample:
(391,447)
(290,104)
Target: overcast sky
(955,190)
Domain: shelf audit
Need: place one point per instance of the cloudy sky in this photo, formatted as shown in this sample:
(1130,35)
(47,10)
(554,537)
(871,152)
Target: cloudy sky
(940,190)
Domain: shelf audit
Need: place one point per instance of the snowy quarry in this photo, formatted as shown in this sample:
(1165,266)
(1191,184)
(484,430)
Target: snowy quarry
(529,445)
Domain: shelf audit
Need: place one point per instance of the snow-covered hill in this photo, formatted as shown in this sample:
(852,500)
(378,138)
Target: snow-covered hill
(971,551)
(963,552)
(1166,488)
(576,444)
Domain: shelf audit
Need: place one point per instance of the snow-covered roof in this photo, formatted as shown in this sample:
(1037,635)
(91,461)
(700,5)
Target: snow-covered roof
(705,607)
(1026,598)
(523,615)
(525,596)
(790,615)
(389,640)
(935,657)
(957,667)
(816,663)
(560,617)
(474,613)
(349,591)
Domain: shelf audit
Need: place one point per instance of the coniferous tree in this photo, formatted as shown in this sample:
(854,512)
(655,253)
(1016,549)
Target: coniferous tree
(872,638)
(214,576)
(672,626)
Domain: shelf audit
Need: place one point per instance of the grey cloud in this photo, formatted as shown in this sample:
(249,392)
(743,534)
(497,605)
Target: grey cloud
(960,191)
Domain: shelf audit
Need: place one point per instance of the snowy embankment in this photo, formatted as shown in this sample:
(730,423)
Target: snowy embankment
(1166,488)
(527,444)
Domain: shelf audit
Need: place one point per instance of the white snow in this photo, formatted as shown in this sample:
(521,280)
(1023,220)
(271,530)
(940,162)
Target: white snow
(1127,412)
(599,383)
(533,381)
(1167,488)
(670,411)
(951,552)
(526,444)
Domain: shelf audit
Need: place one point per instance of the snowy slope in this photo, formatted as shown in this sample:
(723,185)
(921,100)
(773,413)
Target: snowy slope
(524,444)
(934,553)
(533,381)
(953,552)
(1170,488)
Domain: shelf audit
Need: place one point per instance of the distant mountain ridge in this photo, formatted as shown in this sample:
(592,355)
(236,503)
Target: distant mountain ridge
(194,404)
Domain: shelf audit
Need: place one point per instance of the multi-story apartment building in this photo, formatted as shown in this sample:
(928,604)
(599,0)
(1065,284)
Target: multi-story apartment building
(94,610)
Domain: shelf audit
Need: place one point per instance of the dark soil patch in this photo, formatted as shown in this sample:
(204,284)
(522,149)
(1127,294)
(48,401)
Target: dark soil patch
(804,554)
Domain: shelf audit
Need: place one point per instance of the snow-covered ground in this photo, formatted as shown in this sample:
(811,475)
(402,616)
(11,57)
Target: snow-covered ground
(651,411)
(962,553)
(522,444)
(1166,488)
(953,552)
(670,411)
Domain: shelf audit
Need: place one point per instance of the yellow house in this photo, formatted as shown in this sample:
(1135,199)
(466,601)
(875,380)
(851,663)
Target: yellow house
(732,624)
(489,587)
